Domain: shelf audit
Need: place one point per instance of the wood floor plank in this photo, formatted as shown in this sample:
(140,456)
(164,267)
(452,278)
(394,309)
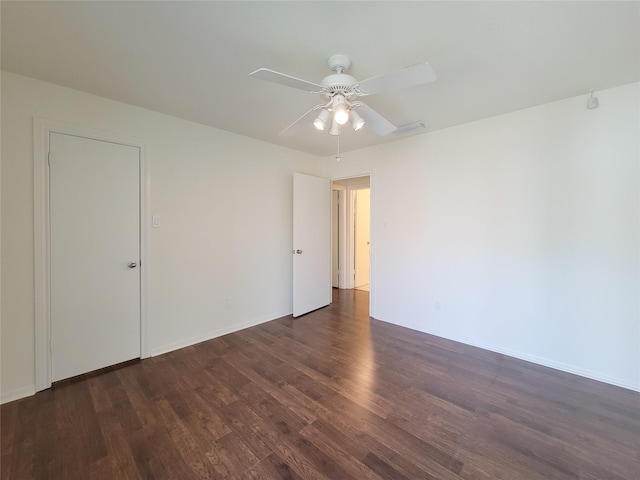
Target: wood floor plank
(330,395)
(119,461)
(272,468)
(282,440)
(337,452)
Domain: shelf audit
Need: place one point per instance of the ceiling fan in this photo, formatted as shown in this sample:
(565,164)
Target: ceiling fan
(340,92)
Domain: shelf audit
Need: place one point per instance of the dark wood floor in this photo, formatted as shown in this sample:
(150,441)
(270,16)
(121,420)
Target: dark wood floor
(332,395)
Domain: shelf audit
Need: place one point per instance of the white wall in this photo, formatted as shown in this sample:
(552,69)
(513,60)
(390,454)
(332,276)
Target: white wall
(522,228)
(225,206)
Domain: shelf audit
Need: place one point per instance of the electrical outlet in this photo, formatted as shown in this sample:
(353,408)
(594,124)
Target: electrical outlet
(229,302)
(437,306)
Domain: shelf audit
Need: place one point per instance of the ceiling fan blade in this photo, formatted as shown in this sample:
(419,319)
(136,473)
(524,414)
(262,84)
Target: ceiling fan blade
(403,78)
(301,122)
(284,79)
(374,120)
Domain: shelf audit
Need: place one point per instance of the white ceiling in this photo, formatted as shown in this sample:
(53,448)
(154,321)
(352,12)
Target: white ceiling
(192,59)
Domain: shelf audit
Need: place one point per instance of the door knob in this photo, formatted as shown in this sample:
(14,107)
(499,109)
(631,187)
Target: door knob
(132,264)
(298,252)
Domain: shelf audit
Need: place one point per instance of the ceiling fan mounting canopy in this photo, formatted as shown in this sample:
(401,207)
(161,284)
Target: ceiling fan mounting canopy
(340,90)
(339,62)
(338,82)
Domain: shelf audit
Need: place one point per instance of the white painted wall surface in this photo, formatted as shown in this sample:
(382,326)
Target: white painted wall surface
(225,204)
(523,228)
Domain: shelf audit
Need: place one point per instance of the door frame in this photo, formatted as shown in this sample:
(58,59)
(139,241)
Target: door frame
(342,235)
(42,128)
(372,236)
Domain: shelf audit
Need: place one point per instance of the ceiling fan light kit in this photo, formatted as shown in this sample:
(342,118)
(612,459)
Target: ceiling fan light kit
(340,109)
(335,128)
(340,90)
(323,118)
(357,122)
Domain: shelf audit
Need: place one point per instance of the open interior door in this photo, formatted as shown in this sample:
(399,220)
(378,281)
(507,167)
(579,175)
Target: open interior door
(311,243)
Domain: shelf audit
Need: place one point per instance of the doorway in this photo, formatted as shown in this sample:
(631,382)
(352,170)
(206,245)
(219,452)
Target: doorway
(361,208)
(351,230)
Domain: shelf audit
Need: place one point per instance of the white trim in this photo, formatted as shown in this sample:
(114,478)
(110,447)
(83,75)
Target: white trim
(342,234)
(216,333)
(350,243)
(41,131)
(372,247)
(17,394)
(563,367)
(41,253)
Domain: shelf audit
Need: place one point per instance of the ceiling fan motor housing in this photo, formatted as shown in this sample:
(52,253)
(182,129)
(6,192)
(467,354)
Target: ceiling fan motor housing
(338,81)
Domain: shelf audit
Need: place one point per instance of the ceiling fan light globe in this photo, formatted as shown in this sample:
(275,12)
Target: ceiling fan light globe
(340,109)
(340,114)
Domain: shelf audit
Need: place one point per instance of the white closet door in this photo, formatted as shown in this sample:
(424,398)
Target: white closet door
(95,254)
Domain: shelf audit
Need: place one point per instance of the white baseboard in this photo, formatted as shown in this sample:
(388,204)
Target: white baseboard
(534,359)
(17,394)
(214,334)
(560,366)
